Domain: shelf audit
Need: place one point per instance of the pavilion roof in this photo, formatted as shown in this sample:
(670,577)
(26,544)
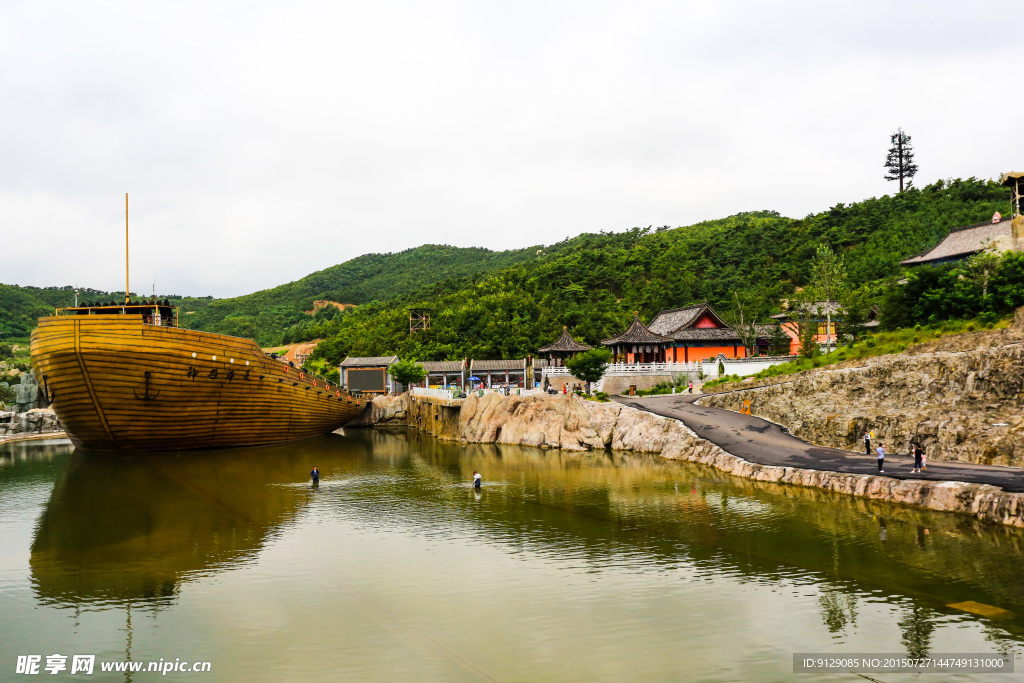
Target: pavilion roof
(566,344)
(636,333)
(962,242)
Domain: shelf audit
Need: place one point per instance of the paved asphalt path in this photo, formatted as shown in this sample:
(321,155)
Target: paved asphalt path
(760,441)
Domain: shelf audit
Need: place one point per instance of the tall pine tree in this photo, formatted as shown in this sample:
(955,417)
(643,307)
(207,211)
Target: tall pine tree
(899,163)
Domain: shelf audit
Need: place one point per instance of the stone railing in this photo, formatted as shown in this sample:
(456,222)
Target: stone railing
(650,368)
(434,393)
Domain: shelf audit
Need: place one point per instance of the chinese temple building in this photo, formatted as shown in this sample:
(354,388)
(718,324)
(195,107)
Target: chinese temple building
(696,333)
(563,348)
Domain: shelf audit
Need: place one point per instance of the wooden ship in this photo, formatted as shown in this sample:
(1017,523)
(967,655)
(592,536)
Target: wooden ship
(127,377)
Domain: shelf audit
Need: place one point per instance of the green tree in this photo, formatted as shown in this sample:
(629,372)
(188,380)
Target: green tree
(899,162)
(981,268)
(407,371)
(590,365)
(827,276)
(778,341)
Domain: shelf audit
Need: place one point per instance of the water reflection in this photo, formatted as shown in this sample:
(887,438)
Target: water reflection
(131,529)
(124,528)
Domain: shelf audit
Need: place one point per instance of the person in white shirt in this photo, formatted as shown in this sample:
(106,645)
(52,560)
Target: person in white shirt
(477,480)
(881,456)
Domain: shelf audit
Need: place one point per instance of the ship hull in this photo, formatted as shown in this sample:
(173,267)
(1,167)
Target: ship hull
(117,383)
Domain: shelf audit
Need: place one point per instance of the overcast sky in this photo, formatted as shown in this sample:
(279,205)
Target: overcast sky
(259,141)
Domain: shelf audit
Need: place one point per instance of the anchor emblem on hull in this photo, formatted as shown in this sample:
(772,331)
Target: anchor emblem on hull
(146,396)
(48,396)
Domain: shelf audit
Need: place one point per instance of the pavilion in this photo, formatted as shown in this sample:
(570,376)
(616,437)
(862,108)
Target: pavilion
(563,348)
(638,344)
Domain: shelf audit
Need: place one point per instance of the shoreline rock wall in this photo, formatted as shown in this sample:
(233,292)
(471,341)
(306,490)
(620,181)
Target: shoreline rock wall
(965,406)
(575,424)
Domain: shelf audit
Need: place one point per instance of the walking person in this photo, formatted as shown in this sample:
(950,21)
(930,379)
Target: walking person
(918,456)
(867,442)
(881,456)
(315,474)
(690,388)
(477,480)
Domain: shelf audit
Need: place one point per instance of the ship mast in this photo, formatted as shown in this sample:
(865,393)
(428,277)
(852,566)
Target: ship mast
(126,247)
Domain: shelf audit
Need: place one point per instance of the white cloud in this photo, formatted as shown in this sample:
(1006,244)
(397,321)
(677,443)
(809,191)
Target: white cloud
(260,142)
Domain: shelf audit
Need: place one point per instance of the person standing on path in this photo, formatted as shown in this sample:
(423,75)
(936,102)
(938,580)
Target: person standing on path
(867,442)
(691,387)
(881,456)
(918,453)
(315,474)
(924,459)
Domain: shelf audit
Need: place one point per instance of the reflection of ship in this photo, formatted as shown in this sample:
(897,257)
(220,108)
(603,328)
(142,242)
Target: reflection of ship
(120,529)
(127,377)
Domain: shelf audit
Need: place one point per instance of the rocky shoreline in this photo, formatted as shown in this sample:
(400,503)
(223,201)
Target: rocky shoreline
(575,424)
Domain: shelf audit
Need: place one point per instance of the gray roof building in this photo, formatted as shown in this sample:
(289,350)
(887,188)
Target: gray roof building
(963,242)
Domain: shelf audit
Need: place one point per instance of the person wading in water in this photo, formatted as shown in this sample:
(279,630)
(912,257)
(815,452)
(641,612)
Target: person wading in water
(315,474)
(477,480)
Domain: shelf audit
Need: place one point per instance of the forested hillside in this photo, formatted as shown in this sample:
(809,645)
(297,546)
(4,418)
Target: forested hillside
(593,282)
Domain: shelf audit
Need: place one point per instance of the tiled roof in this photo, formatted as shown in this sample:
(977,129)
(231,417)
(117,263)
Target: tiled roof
(442,365)
(670,320)
(706,334)
(368,361)
(636,333)
(963,242)
(675,323)
(765,331)
(565,343)
(504,364)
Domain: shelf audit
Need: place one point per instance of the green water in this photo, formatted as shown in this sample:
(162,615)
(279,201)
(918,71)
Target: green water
(608,566)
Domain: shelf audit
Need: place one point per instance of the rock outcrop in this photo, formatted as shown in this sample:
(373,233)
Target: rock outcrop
(574,424)
(38,421)
(961,397)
